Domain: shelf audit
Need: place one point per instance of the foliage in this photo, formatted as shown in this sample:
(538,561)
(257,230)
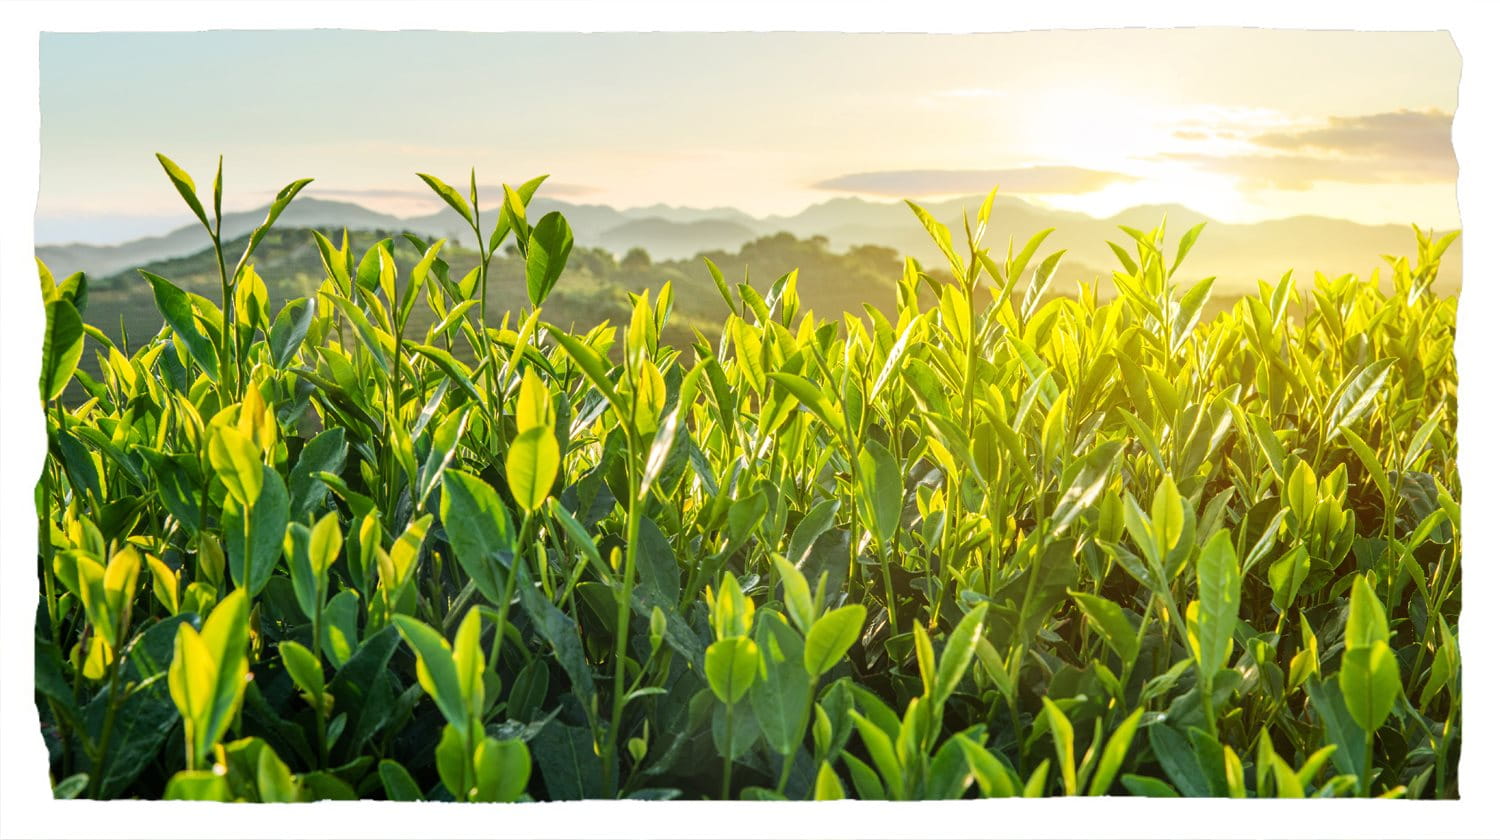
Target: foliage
(989,541)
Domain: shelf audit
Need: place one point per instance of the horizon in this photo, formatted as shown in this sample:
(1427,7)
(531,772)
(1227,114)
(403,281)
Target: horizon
(1368,140)
(486,207)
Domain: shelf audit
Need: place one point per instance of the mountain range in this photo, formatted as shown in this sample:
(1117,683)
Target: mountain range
(1236,253)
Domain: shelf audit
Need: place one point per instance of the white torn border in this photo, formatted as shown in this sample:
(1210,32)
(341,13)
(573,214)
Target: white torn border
(26,806)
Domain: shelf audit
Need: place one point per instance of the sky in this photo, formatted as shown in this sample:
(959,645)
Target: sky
(1240,124)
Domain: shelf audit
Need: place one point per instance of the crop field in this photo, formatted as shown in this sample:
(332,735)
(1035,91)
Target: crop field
(988,539)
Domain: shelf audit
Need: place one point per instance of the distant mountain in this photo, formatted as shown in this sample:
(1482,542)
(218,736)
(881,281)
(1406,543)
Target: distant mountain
(665,239)
(1237,253)
(672,213)
(100,260)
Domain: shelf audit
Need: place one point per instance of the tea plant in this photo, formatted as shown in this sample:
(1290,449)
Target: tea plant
(1019,543)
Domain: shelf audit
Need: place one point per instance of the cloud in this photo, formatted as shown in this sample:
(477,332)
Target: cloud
(376,193)
(975,93)
(423,194)
(1396,134)
(1397,147)
(1042,180)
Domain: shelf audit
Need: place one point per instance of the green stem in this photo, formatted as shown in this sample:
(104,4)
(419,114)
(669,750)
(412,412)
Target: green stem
(890,590)
(228,336)
(728,749)
(1206,692)
(1365,778)
(317,652)
(622,623)
(96,783)
(786,771)
(502,609)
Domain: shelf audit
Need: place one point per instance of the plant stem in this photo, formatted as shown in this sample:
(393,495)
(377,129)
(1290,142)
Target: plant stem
(622,622)
(101,770)
(728,749)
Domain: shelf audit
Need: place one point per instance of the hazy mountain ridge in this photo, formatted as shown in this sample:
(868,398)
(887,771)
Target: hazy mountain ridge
(1237,253)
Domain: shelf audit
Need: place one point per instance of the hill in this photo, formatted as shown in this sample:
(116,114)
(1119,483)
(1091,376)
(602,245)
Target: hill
(1236,253)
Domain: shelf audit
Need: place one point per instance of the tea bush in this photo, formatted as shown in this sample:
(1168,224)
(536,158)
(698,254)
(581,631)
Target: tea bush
(1003,544)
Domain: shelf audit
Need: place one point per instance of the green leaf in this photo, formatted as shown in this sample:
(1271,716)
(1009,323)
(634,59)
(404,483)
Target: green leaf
(1109,619)
(878,745)
(941,236)
(1372,465)
(1356,394)
(1088,482)
(236,461)
(994,778)
(730,665)
(278,204)
(441,676)
(479,530)
(1190,308)
(207,675)
(831,637)
(453,762)
(1062,740)
(657,566)
(324,453)
(551,242)
(1370,680)
(502,770)
(177,309)
(450,196)
(399,785)
(562,633)
(197,785)
(513,211)
(720,283)
(259,546)
(883,495)
(1040,280)
(1147,786)
(782,699)
(796,594)
(811,398)
(1339,727)
(827,787)
(531,467)
(592,366)
(306,671)
(290,329)
(62,347)
(1166,516)
(1115,751)
(1287,576)
(1175,755)
(570,767)
(503,220)
(185,188)
(1219,602)
(1366,624)
(451,367)
(958,653)
(1185,245)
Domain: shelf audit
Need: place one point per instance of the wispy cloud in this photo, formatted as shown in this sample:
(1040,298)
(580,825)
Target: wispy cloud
(974,93)
(552,188)
(1395,147)
(1396,134)
(1037,180)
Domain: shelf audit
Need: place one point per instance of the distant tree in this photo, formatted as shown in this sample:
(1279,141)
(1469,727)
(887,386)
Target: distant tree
(636,259)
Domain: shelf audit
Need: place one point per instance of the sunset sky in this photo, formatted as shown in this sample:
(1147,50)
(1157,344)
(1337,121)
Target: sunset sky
(1242,125)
